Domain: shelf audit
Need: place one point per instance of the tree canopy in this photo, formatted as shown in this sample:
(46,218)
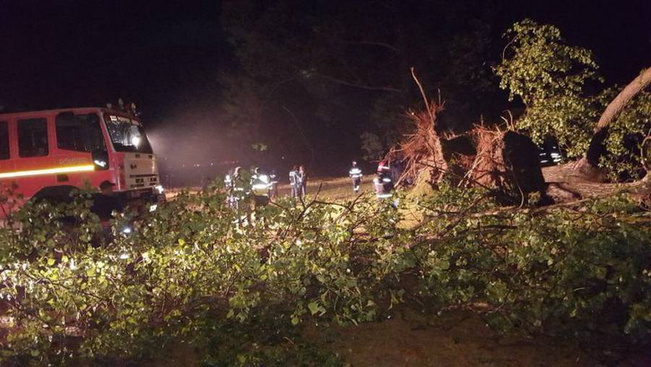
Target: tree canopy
(549,77)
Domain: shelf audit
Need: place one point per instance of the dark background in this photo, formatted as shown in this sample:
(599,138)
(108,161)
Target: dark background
(168,57)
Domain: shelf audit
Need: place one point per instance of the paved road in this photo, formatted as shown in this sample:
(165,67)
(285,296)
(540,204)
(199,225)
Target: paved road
(339,188)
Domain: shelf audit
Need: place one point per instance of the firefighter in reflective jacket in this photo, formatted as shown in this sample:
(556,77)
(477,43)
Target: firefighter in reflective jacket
(383,185)
(234,189)
(260,188)
(294,181)
(356,175)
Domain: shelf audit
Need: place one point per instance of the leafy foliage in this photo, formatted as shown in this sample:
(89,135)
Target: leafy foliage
(570,271)
(194,263)
(549,76)
(236,285)
(625,137)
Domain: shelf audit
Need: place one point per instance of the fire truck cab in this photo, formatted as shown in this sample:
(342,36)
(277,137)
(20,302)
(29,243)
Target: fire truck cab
(46,154)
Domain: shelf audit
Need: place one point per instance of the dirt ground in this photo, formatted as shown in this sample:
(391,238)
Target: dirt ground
(331,188)
(454,339)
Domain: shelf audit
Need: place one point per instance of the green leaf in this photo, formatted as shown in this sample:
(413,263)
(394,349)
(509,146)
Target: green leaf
(313,307)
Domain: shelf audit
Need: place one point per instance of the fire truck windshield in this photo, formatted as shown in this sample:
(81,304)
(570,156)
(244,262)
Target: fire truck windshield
(127,135)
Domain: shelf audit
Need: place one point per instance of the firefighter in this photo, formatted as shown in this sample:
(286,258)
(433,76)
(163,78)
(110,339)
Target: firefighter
(106,202)
(356,175)
(383,185)
(294,181)
(302,176)
(273,194)
(234,188)
(260,188)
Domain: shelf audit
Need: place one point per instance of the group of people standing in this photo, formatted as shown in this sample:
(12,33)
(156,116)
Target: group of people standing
(264,186)
(298,182)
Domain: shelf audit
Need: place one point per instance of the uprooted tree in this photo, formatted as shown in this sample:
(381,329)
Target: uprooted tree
(502,160)
(549,77)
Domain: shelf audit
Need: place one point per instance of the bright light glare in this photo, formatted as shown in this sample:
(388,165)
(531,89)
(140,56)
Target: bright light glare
(48,171)
(135,140)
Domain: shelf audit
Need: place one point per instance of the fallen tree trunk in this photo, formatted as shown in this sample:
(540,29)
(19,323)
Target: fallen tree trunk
(562,189)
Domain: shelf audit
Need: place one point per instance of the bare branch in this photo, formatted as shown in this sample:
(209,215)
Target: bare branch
(355,85)
(300,129)
(372,43)
(422,92)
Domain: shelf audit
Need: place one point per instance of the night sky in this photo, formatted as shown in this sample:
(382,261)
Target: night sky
(167,55)
(73,53)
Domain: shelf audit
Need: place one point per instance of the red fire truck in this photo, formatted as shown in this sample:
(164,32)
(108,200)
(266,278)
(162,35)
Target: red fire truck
(46,154)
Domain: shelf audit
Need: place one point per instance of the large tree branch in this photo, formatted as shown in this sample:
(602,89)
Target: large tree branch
(587,165)
(617,105)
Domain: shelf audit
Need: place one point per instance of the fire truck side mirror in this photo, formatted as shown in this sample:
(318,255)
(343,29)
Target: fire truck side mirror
(100,159)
